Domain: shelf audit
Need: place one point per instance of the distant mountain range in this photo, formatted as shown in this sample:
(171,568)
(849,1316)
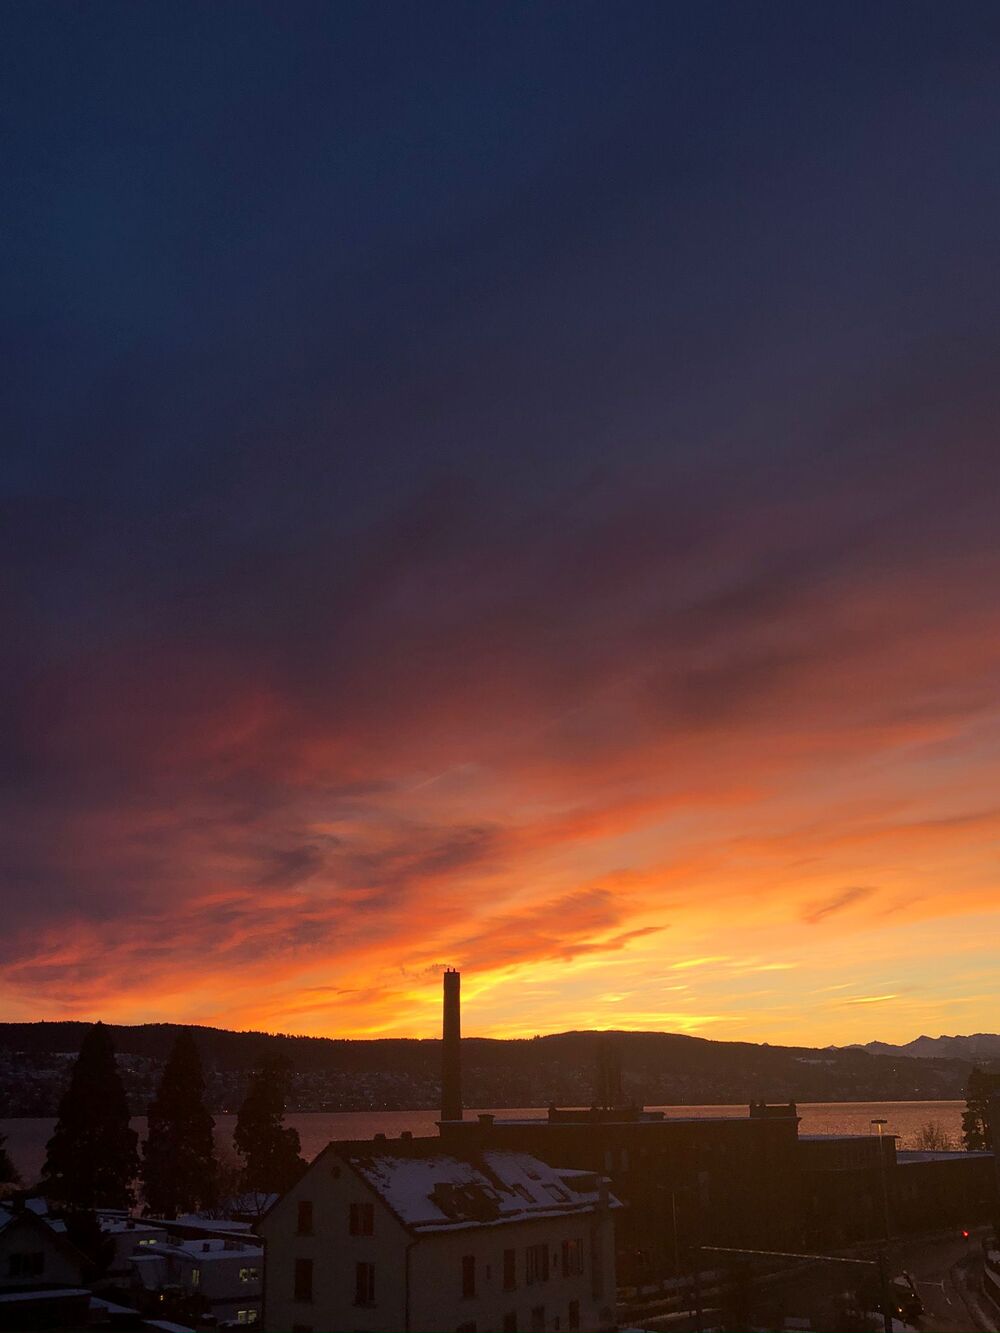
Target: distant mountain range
(659,1068)
(977,1046)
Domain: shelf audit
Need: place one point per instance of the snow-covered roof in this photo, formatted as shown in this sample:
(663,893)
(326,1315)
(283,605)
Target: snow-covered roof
(32,1215)
(194,1220)
(844,1138)
(116,1226)
(215,1248)
(199,1250)
(436,1191)
(20,1294)
(907,1157)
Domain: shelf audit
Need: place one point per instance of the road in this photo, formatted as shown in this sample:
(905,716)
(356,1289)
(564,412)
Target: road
(946,1273)
(945,1270)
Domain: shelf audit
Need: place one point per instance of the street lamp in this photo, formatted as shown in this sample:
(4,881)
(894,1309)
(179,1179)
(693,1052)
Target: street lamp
(881,1171)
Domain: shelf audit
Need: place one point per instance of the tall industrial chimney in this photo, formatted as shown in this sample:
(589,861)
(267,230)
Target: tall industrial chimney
(451,1047)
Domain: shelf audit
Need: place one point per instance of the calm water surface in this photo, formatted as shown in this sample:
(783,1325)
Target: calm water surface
(26,1138)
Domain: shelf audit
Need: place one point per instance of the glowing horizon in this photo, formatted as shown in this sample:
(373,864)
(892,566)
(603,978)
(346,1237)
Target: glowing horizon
(517,492)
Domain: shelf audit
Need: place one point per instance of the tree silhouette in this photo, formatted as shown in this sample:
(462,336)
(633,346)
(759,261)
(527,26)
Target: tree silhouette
(270,1151)
(92,1157)
(933,1137)
(8,1172)
(179,1168)
(976,1128)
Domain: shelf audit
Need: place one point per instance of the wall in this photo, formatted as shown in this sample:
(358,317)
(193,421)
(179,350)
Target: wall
(332,1186)
(938,1189)
(436,1267)
(21,1237)
(726,1181)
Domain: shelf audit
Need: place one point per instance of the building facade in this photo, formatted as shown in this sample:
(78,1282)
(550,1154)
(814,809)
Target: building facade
(682,1181)
(409,1236)
(226,1274)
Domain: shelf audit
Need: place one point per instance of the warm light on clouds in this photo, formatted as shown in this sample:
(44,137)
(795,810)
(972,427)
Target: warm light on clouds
(541,525)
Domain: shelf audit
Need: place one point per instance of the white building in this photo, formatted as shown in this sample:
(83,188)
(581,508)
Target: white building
(131,1235)
(41,1272)
(226,1274)
(405,1236)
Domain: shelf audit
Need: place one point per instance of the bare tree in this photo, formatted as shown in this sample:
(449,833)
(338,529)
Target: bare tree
(933,1137)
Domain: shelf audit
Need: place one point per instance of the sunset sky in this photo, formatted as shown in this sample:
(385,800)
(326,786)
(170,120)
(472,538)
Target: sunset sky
(506,486)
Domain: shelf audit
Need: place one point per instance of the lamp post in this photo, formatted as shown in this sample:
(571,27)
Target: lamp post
(883,1270)
(881,1171)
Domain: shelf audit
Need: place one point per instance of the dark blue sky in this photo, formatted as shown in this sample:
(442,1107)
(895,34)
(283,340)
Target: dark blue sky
(385,381)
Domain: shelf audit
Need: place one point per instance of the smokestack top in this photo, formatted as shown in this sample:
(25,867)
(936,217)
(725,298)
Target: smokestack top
(451,1057)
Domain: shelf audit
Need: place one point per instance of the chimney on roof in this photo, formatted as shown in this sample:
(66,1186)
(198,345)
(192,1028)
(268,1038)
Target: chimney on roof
(451,1047)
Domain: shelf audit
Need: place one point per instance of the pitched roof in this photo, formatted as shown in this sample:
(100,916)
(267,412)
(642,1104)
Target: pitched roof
(438,1191)
(53,1228)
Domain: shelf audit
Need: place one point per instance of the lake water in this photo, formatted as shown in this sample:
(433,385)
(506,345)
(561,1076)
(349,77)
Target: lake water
(26,1138)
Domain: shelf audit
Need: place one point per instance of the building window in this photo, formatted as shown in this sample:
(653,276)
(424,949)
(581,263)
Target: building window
(537,1266)
(303,1279)
(246,1316)
(249,1274)
(510,1322)
(574,1314)
(305,1221)
(469,1275)
(364,1284)
(26,1265)
(362,1221)
(538,1319)
(509,1270)
(572,1257)
(196,1277)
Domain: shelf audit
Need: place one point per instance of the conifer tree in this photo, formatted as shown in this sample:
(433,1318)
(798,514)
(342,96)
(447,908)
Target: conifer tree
(269,1149)
(8,1173)
(976,1128)
(92,1159)
(179,1169)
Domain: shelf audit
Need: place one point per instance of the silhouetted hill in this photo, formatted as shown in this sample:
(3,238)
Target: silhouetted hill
(660,1068)
(977,1046)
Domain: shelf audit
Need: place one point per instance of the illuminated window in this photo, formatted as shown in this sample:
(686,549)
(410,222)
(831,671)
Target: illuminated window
(196,1277)
(249,1274)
